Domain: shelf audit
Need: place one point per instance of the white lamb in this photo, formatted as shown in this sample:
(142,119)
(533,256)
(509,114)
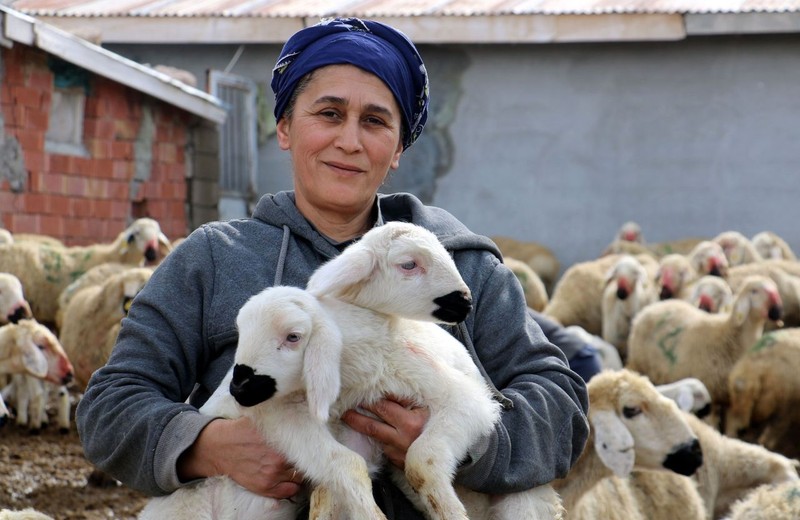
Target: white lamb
(532,285)
(633,427)
(13,305)
(690,394)
(628,290)
(45,271)
(672,339)
(711,294)
(395,270)
(769,502)
(770,245)
(738,248)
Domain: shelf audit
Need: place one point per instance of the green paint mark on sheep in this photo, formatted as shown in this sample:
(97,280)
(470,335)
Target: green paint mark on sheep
(792,494)
(766,341)
(668,342)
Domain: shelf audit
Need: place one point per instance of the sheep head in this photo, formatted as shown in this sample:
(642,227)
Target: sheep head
(149,243)
(674,273)
(711,294)
(633,425)
(287,343)
(400,269)
(708,257)
(628,273)
(59,368)
(757,299)
(13,306)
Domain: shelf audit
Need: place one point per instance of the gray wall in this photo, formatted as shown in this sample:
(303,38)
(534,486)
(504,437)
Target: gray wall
(561,144)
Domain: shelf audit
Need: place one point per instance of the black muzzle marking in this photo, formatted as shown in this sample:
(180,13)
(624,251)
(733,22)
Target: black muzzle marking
(150,254)
(775,312)
(686,459)
(453,307)
(250,389)
(622,294)
(19,314)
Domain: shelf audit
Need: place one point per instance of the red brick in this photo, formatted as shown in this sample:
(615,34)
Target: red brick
(76,227)
(99,128)
(52,225)
(99,148)
(6,198)
(33,203)
(102,209)
(58,204)
(120,209)
(35,161)
(76,186)
(37,119)
(97,188)
(118,190)
(53,183)
(167,153)
(30,140)
(40,78)
(122,170)
(24,223)
(27,97)
(122,150)
(125,129)
(118,106)
(15,116)
(13,73)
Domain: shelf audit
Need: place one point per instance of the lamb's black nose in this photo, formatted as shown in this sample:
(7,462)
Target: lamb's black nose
(686,459)
(250,389)
(453,307)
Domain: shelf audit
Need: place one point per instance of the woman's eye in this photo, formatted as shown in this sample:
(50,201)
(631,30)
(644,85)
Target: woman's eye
(631,411)
(408,266)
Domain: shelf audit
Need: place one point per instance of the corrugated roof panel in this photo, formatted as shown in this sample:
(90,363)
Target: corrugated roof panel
(390,8)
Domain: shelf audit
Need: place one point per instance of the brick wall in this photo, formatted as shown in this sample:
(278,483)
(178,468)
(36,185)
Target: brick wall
(127,174)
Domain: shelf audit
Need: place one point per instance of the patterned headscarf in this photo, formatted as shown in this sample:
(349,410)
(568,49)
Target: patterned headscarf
(369,45)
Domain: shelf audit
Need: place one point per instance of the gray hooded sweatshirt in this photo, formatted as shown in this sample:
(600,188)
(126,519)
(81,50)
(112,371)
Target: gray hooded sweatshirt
(139,411)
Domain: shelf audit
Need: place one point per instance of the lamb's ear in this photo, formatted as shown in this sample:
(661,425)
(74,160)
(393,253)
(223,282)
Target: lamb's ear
(610,274)
(613,442)
(164,245)
(741,310)
(321,365)
(348,269)
(34,362)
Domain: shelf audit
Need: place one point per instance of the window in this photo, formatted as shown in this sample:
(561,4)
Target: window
(65,131)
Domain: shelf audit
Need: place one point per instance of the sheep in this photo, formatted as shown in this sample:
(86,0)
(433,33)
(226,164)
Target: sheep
(711,294)
(532,285)
(6,237)
(672,339)
(58,371)
(708,257)
(731,468)
(395,270)
(38,239)
(93,317)
(628,240)
(93,276)
(46,271)
(633,426)
(23,514)
(541,259)
(787,281)
(674,275)
(765,393)
(770,245)
(13,305)
(681,246)
(628,289)
(738,248)
(773,502)
(690,394)
(577,297)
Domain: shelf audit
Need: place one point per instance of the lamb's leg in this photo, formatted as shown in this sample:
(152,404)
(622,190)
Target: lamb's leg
(325,462)
(539,503)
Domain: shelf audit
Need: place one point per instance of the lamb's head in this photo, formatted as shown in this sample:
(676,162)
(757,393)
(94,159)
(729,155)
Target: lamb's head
(633,425)
(143,243)
(690,394)
(707,257)
(712,294)
(757,300)
(287,343)
(120,289)
(737,247)
(625,276)
(674,273)
(59,368)
(400,269)
(631,232)
(770,245)
(13,306)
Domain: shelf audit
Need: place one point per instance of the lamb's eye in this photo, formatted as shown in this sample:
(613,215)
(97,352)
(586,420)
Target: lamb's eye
(293,337)
(631,411)
(408,266)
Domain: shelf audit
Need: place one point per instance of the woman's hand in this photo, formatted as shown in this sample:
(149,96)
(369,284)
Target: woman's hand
(236,449)
(397,423)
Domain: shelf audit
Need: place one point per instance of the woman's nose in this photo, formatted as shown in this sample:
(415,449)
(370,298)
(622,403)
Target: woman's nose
(349,138)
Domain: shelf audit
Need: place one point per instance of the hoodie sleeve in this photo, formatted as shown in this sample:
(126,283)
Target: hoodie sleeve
(543,434)
(132,420)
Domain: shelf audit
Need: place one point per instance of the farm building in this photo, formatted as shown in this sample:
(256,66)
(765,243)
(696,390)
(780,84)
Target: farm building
(551,121)
(90,140)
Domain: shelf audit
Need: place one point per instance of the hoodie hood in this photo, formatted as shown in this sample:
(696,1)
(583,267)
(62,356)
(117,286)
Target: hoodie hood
(280,210)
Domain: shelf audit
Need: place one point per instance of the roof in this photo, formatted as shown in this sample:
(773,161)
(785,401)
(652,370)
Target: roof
(425,21)
(16,27)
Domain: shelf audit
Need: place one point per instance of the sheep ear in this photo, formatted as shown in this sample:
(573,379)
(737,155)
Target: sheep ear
(610,274)
(321,364)
(164,243)
(350,268)
(613,442)
(34,362)
(741,310)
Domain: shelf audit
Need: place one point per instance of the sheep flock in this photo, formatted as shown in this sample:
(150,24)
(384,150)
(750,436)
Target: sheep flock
(695,415)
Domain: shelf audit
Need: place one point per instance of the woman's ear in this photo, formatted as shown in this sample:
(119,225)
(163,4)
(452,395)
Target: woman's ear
(282,129)
(396,159)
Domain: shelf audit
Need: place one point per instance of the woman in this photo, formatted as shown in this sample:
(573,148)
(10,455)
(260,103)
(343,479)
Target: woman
(351,96)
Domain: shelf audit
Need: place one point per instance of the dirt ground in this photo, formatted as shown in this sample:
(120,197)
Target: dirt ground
(49,473)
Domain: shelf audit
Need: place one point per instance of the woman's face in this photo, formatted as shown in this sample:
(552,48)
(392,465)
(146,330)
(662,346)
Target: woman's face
(344,136)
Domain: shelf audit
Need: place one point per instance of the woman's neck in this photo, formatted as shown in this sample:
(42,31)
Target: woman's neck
(338,226)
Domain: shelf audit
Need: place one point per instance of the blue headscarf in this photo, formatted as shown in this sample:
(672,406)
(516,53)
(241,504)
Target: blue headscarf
(369,45)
